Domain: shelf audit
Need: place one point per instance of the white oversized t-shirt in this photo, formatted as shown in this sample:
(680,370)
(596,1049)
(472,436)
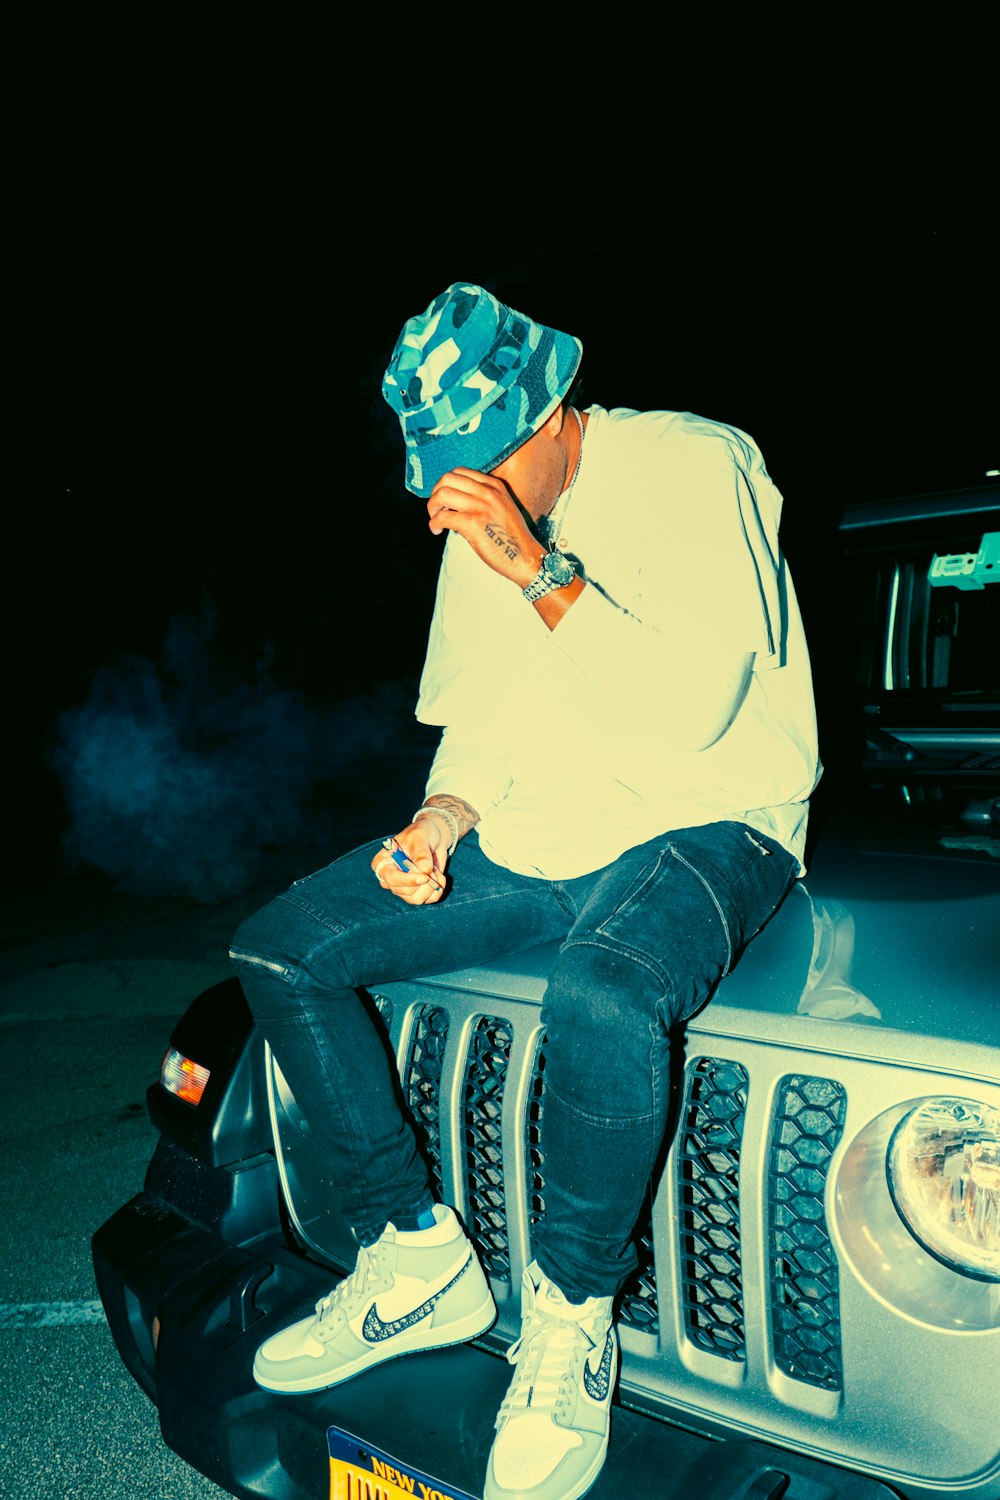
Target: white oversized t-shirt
(561,739)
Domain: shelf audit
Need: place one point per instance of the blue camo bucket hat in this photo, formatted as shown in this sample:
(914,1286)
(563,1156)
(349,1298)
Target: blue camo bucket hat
(470,380)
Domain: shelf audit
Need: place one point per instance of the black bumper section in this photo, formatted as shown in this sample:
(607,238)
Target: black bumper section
(214,1303)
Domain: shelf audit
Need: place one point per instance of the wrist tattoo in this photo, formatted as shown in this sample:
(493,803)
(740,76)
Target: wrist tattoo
(465,816)
(502,539)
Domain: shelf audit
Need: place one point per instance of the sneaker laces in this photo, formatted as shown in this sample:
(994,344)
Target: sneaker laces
(544,1357)
(333,1310)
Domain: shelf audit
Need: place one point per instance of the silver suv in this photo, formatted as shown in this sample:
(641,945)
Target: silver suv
(816,1312)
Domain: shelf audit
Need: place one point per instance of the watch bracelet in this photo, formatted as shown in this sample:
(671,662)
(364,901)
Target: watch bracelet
(532,592)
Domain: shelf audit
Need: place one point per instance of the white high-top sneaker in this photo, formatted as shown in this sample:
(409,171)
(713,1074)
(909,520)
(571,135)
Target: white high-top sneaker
(411,1290)
(552,1431)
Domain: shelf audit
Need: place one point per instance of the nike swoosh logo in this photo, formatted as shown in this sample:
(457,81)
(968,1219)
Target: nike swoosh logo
(375,1330)
(597,1386)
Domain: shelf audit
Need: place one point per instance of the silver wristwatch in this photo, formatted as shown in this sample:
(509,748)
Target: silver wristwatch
(555,572)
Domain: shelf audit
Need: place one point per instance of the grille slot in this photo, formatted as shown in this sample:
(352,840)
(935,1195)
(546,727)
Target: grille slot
(708,1162)
(805,1288)
(482,1094)
(639,1307)
(535,1163)
(422,1082)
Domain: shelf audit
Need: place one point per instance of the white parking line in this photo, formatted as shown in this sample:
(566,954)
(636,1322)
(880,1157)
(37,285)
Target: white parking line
(50,1314)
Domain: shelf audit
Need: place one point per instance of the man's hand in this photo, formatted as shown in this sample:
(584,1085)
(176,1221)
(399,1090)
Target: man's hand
(427,852)
(483,511)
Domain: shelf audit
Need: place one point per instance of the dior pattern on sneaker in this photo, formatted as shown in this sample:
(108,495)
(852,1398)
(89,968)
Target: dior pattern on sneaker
(411,1290)
(552,1431)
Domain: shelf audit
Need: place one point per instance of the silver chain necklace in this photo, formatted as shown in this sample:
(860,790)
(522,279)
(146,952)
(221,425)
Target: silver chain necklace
(550,524)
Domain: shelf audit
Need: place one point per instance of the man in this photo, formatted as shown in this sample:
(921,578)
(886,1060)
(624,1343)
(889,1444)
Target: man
(617,664)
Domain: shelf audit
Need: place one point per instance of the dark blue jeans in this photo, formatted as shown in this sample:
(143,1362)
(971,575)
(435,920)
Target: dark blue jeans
(644,942)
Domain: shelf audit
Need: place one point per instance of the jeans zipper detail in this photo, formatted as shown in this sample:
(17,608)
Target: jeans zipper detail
(261,963)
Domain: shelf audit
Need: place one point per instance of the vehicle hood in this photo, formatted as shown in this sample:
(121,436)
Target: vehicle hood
(888,949)
(885,948)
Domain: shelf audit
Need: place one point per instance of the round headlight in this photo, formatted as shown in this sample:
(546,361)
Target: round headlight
(943,1166)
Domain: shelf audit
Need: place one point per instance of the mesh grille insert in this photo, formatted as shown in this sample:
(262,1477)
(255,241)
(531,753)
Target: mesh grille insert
(422,1082)
(535,1164)
(485,1078)
(708,1162)
(805,1289)
(639,1306)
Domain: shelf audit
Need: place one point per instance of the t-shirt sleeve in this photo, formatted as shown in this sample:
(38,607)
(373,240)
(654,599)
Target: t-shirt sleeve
(470,768)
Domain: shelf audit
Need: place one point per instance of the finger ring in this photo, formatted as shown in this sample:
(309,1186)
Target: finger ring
(378,867)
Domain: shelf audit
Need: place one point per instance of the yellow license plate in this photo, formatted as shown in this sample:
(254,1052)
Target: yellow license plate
(360,1472)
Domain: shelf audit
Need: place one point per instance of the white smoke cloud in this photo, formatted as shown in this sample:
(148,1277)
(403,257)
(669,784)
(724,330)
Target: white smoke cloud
(180,774)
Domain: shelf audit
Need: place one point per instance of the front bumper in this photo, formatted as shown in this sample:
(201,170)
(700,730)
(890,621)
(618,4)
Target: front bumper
(187,1310)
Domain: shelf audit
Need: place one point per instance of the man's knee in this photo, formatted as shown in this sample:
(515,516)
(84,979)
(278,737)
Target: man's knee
(598,994)
(262,932)
(282,941)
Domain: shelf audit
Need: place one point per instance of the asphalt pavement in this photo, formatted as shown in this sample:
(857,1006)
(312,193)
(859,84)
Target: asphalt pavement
(92,978)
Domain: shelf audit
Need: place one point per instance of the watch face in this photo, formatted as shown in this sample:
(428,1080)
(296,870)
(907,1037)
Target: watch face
(558,568)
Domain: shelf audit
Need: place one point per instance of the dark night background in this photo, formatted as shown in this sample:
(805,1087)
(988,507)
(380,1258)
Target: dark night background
(217,587)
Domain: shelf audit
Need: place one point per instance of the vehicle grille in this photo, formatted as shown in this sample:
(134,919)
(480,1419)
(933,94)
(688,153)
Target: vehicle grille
(746,1312)
(802,1132)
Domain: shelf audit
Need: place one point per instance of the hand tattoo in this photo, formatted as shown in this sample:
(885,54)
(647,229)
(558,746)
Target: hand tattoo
(502,539)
